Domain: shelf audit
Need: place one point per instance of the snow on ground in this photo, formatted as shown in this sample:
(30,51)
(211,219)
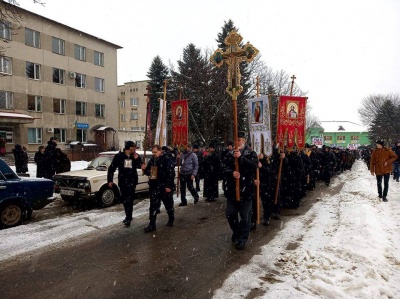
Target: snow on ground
(346,246)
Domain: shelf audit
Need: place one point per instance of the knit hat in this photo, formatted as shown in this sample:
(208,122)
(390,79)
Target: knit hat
(242,134)
(381,142)
(195,146)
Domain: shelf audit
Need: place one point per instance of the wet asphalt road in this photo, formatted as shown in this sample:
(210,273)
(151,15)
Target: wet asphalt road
(189,260)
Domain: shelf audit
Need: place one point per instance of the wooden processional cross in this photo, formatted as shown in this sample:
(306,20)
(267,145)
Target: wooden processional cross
(232,56)
(147,133)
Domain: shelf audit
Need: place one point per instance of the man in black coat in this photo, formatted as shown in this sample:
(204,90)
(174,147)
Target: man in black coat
(39,159)
(161,172)
(248,162)
(127,163)
(21,159)
(211,172)
(328,164)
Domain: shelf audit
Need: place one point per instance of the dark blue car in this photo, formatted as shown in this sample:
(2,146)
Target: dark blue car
(20,196)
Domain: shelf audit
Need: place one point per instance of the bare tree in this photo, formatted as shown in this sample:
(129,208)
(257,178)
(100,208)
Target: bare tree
(371,105)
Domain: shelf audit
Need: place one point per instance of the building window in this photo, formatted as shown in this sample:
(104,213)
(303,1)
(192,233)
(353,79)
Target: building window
(122,93)
(5,30)
(137,128)
(58,76)
(80,53)
(354,139)
(80,80)
(123,104)
(34,103)
(59,106)
(134,116)
(134,101)
(81,135)
(7,134)
(34,135)
(33,70)
(58,46)
(98,58)
(61,134)
(328,139)
(122,117)
(32,38)
(81,108)
(99,84)
(99,110)
(5,65)
(341,139)
(6,100)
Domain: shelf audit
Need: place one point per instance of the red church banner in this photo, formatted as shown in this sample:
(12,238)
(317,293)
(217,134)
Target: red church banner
(291,122)
(180,122)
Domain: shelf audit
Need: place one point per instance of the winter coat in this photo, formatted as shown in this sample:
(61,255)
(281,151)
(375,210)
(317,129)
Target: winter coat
(63,164)
(39,160)
(127,176)
(379,157)
(21,159)
(211,172)
(50,160)
(248,162)
(396,150)
(328,161)
(165,173)
(189,163)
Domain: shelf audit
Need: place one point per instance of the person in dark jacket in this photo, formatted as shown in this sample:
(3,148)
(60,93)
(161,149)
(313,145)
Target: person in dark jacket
(161,172)
(21,159)
(396,164)
(50,158)
(238,212)
(200,172)
(39,159)
(211,172)
(189,168)
(127,162)
(328,164)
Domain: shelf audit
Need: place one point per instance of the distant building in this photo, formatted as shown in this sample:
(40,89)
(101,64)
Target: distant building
(132,112)
(343,134)
(56,80)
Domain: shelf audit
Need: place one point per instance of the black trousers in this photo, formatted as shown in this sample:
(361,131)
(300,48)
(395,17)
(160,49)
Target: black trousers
(186,181)
(156,197)
(238,214)
(127,197)
(385,184)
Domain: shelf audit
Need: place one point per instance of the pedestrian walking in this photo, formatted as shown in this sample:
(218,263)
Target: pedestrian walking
(189,168)
(381,166)
(396,164)
(161,172)
(21,159)
(39,160)
(127,162)
(238,213)
(211,172)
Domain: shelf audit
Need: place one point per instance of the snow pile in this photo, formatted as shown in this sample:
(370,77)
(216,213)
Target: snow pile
(346,246)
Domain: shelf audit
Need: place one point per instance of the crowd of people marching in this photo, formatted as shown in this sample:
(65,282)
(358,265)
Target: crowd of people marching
(295,171)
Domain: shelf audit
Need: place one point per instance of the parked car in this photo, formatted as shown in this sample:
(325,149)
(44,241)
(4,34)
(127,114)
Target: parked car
(19,196)
(91,182)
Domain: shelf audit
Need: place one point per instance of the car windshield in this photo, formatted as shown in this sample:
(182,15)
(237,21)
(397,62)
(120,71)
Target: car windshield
(99,161)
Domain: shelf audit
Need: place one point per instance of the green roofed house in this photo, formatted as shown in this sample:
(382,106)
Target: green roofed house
(342,134)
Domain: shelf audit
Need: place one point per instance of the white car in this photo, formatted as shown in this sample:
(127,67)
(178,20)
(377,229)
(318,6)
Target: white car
(91,182)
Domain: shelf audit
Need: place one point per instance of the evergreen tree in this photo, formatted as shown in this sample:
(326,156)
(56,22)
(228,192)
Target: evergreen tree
(385,124)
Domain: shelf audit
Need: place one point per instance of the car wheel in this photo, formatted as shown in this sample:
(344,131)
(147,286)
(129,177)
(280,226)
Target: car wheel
(11,215)
(106,197)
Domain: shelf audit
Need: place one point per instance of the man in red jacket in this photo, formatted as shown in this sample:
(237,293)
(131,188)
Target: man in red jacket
(381,165)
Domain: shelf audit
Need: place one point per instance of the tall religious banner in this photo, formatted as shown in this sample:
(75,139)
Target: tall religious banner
(260,125)
(161,130)
(180,122)
(291,122)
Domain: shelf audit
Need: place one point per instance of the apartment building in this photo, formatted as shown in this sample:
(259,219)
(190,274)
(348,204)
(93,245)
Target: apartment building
(56,81)
(132,112)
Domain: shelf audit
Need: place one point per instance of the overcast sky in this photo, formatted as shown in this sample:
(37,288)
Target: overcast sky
(340,50)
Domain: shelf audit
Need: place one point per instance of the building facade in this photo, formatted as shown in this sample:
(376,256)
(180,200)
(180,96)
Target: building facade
(343,134)
(56,81)
(132,112)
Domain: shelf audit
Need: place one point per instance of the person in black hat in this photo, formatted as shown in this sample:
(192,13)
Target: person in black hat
(127,162)
(238,213)
(212,165)
(381,166)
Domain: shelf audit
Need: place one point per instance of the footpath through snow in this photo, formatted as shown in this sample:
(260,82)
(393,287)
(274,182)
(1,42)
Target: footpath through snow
(346,246)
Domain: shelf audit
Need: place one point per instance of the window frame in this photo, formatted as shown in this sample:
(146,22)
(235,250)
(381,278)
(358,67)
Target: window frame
(83,106)
(61,45)
(62,134)
(98,58)
(80,78)
(80,52)
(38,102)
(36,70)
(134,113)
(133,100)
(4,66)
(123,117)
(62,106)
(5,30)
(35,38)
(83,135)
(61,76)
(38,140)
(9,100)
(101,108)
(99,84)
